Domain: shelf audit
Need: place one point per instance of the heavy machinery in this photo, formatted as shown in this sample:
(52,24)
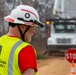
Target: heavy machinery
(61,30)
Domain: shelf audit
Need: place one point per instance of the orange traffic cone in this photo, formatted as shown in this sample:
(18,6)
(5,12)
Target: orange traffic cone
(73,70)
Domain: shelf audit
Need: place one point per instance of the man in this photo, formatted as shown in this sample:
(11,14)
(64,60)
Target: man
(17,57)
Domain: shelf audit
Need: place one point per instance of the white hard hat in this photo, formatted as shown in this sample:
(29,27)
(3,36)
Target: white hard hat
(24,14)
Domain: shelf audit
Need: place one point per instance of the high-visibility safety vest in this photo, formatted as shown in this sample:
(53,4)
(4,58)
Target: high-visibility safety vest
(9,50)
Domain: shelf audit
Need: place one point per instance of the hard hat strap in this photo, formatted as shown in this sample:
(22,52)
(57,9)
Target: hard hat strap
(22,35)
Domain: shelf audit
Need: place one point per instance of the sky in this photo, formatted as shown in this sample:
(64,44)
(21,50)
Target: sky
(70,7)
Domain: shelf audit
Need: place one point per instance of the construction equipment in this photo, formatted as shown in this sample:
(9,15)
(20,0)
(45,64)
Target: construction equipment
(61,30)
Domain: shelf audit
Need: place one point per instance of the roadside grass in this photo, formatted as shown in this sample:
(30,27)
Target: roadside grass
(41,56)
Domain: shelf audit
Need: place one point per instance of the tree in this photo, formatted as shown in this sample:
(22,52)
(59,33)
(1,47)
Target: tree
(2,31)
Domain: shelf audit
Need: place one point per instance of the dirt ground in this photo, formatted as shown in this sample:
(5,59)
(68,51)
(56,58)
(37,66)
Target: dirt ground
(54,66)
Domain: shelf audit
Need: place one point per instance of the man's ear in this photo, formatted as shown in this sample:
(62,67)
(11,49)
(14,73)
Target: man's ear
(22,27)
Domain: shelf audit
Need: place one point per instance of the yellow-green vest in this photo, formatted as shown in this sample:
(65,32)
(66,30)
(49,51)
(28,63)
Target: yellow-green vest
(9,49)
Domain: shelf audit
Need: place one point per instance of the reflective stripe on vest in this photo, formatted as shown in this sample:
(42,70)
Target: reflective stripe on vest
(11,56)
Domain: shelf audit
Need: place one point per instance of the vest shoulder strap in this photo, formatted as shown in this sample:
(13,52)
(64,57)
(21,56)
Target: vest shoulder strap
(10,61)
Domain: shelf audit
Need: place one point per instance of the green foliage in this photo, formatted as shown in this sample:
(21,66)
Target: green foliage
(41,56)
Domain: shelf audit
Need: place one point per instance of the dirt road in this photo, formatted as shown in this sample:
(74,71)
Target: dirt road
(54,66)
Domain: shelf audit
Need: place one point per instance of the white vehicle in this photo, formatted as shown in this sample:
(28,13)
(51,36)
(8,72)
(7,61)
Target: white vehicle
(62,35)
(63,30)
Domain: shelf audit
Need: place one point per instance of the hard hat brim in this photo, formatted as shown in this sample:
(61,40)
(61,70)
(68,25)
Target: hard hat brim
(12,20)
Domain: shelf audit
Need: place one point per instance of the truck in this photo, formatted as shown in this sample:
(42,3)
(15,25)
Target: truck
(62,35)
(61,30)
